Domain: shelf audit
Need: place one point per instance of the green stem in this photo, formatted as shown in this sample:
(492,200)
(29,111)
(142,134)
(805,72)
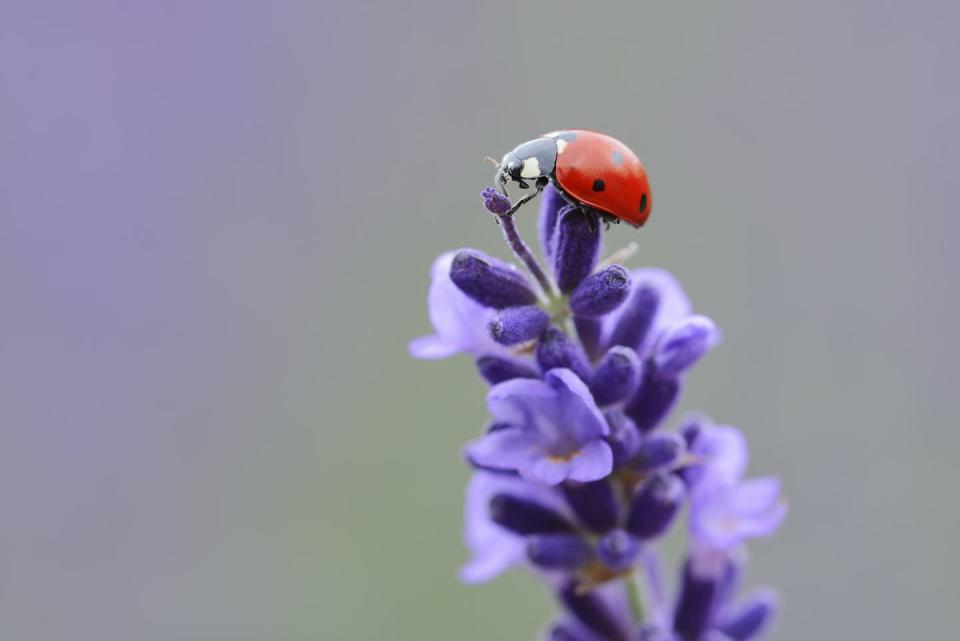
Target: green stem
(636,599)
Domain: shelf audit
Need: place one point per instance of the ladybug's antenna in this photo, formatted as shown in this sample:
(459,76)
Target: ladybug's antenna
(492,161)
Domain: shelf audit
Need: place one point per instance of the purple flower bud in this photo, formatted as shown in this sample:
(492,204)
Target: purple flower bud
(601,293)
(526,517)
(551,202)
(590,333)
(695,604)
(752,618)
(654,399)
(515,325)
(657,451)
(618,550)
(654,506)
(684,344)
(555,350)
(616,376)
(558,551)
(592,612)
(636,317)
(594,504)
(489,281)
(564,632)
(577,247)
(494,201)
(624,437)
(496,369)
(691,429)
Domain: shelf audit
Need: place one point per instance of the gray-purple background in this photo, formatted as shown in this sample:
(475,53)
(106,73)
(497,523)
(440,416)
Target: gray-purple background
(216,223)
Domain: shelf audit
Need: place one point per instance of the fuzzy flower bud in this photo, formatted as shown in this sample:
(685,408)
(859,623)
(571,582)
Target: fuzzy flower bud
(496,369)
(594,504)
(515,325)
(653,400)
(555,349)
(684,344)
(592,612)
(489,281)
(654,506)
(601,293)
(577,247)
(526,517)
(616,376)
(558,551)
(657,451)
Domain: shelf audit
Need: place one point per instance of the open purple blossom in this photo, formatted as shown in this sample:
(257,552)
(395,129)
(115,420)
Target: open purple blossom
(576,477)
(725,509)
(555,431)
(460,322)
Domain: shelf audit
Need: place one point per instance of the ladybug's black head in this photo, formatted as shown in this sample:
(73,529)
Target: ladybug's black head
(509,169)
(533,161)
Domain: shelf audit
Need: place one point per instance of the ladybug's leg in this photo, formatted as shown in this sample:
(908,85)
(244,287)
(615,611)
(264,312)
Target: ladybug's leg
(523,201)
(591,218)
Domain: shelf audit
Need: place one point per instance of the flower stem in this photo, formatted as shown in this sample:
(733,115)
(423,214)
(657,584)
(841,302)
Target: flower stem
(636,600)
(653,572)
(523,253)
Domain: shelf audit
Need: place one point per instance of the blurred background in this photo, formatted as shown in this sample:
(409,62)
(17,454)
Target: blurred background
(216,225)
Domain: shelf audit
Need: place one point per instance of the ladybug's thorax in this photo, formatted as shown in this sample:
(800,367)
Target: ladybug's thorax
(530,161)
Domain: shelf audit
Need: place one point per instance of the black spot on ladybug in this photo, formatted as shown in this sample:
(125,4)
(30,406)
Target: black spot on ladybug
(617,158)
(643,203)
(599,185)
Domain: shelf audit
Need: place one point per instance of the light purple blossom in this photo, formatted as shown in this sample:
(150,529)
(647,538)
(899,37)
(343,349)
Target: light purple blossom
(493,548)
(459,322)
(724,516)
(555,431)
(725,510)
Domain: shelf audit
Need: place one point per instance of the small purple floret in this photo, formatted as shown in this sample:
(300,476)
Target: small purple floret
(494,201)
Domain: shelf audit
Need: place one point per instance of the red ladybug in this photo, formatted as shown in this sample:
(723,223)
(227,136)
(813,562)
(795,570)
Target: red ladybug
(592,170)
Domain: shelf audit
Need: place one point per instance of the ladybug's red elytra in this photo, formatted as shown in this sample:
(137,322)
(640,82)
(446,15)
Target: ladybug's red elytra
(593,171)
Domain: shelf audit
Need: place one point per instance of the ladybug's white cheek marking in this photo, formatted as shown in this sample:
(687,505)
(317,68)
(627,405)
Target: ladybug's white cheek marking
(531,168)
(561,145)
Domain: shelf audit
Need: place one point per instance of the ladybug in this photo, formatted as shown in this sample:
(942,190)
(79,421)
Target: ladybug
(593,171)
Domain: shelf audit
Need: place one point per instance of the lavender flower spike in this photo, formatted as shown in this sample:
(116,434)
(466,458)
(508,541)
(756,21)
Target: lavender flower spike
(556,431)
(584,498)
